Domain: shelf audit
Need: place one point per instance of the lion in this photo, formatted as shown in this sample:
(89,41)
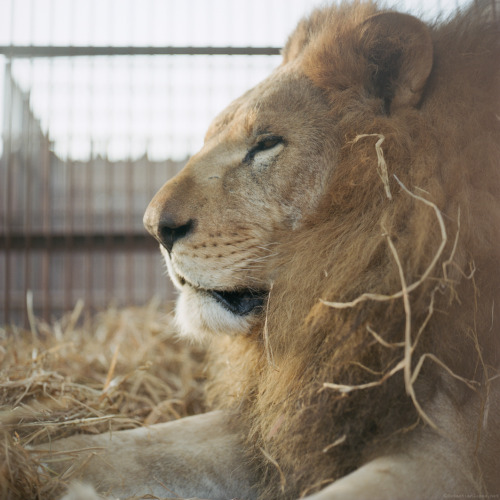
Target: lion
(336,242)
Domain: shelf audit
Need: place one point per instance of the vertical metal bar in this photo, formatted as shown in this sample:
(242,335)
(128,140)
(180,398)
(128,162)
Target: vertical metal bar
(46,224)
(150,275)
(69,228)
(7,154)
(146,284)
(162,285)
(128,228)
(9,170)
(109,228)
(127,173)
(107,209)
(27,163)
(68,194)
(89,223)
(89,179)
(47,192)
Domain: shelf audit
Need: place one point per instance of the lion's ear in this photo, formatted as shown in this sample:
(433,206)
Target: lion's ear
(398,50)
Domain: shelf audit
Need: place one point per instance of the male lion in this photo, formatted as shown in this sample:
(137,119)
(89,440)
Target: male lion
(337,241)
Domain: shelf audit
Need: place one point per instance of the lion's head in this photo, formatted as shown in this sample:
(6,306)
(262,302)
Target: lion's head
(365,166)
(266,167)
(262,171)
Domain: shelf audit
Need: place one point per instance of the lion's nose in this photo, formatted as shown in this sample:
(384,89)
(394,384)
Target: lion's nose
(166,229)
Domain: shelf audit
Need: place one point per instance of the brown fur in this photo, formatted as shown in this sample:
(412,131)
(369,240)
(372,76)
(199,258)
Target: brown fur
(289,196)
(446,149)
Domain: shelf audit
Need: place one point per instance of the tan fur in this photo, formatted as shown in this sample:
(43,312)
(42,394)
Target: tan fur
(315,222)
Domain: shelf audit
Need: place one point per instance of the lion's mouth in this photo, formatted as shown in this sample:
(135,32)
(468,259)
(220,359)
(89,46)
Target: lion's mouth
(239,302)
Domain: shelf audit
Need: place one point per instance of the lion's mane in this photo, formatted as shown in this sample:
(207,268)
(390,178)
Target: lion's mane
(445,150)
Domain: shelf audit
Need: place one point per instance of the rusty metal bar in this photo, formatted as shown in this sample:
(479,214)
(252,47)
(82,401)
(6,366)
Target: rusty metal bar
(46,205)
(59,242)
(68,245)
(8,158)
(89,227)
(68,217)
(150,268)
(128,223)
(108,223)
(31,51)
(27,164)
(46,228)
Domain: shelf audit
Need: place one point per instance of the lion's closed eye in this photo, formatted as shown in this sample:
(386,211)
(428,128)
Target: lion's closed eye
(265,144)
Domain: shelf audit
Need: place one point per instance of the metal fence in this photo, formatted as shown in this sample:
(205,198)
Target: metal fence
(71,229)
(103,101)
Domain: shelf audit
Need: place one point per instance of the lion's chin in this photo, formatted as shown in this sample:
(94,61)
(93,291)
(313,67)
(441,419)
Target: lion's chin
(201,314)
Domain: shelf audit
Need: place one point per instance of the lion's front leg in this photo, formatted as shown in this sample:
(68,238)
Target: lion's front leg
(400,477)
(429,464)
(198,456)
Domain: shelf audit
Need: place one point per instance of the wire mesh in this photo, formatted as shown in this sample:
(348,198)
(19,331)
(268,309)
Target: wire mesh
(102,101)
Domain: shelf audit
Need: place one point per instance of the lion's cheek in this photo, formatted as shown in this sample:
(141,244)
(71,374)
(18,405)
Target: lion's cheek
(299,190)
(199,317)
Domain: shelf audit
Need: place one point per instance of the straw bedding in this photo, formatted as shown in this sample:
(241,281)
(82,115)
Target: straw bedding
(118,370)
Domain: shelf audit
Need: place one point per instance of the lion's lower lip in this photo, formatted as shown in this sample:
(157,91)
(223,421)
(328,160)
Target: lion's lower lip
(240,302)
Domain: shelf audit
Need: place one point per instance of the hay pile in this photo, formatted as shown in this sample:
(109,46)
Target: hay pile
(122,369)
